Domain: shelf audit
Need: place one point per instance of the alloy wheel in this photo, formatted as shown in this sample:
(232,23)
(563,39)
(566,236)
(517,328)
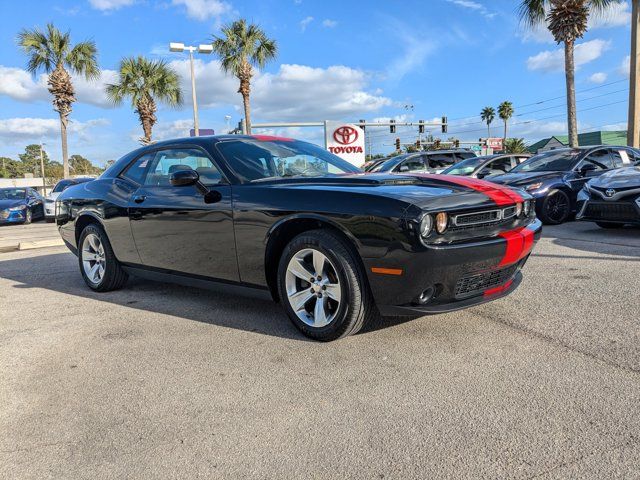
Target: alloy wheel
(93,258)
(556,207)
(313,287)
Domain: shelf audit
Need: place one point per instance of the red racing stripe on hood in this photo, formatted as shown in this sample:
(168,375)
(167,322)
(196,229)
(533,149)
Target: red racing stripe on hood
(501,196)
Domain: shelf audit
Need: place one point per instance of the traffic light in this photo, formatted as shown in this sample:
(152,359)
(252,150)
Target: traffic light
(397,144)
(418,144)
(444,125)
(392,127)
(421,126)
(362,122)
(457,143)
(436,144)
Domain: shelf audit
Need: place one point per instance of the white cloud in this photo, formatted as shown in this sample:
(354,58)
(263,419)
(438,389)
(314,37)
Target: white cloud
(21,130)
(328,23)
(299,92)
(106,5)
(203,9)
(213,87)
(475,7)
(615,15)
(304,23)
(20,85)
(553,60)
(598,77)
(625,66)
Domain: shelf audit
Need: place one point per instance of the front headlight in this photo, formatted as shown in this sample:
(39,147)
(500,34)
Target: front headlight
(526,207)
(19,208)
(519,209)
(426,225)
(533,186)
(442,221)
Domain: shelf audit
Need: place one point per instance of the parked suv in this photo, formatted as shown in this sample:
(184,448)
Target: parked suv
(432,161)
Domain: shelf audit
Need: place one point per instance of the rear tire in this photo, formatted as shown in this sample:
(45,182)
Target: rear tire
(609,225)
(322,286)
(556,208)
(99,267)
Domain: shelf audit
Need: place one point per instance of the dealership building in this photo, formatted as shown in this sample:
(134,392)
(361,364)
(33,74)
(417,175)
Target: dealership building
(616,137)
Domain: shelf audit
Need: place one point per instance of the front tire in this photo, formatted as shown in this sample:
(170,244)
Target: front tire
(556,208)
(322,286)
(28,216)
(100,269)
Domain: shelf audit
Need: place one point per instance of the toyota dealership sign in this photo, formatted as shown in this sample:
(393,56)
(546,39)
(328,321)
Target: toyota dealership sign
(345,140)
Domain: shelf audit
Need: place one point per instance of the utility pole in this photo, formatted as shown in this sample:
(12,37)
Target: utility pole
(44,180)
(633,124)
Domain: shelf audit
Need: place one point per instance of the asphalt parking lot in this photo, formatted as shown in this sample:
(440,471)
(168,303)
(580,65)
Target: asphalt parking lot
(162,381)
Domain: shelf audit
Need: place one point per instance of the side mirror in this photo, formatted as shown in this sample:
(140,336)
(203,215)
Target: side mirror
(586,168)
(403,168)
(184,178)
(484,172)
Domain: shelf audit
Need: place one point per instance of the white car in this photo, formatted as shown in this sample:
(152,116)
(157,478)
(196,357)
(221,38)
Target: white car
(50,200)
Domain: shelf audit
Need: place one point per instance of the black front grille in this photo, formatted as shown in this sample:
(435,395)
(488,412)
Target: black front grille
(612,211)
(474,218)
(478,283)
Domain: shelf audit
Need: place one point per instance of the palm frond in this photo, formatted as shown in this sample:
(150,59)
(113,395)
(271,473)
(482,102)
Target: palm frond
(82,59)
(533,12)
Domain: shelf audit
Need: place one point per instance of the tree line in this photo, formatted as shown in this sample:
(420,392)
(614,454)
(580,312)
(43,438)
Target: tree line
(29,163)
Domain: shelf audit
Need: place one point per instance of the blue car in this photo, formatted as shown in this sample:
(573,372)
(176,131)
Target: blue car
(555,177)
(20,205)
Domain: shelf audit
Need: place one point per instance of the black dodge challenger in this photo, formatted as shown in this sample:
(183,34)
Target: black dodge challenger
(301,225)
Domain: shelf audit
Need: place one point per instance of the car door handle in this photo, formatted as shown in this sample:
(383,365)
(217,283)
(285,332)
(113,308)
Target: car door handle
(139,198)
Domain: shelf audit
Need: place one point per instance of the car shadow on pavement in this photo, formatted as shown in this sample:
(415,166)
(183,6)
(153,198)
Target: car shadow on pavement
(206,306)
(59,272)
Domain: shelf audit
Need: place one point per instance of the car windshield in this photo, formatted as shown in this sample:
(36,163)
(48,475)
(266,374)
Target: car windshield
(60,186)
(389,163)
(12,193)
(465,166)
(267,158)
(552,161)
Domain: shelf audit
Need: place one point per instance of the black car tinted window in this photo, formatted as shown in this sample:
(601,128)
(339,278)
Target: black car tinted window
(463,155)
(440,160)
(551,161)
(254,160)
(165,162)
(137,169)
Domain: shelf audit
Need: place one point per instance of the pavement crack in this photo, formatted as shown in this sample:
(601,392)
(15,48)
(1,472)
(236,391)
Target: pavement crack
(559,343)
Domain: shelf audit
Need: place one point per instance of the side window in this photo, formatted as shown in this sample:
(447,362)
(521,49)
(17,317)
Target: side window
(166,162)
(135,172)
(601,159)
(620,157)
(501,164)
(440,160)
(463,156)
(414,164)
(519,160)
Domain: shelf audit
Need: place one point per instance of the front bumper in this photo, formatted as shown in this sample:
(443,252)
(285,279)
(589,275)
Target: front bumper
(593,209)
(459,275)
(7,217)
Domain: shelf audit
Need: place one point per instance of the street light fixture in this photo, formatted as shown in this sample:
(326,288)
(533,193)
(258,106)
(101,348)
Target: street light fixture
(204,49)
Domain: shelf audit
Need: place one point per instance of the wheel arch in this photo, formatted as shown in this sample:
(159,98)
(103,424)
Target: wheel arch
(84,219)
(283,231)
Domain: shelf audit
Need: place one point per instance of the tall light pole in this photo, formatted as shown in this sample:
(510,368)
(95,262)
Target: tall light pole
(203,48)
(633,124)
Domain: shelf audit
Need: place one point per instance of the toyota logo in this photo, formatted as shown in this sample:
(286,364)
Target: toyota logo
(345,135)
(610,192)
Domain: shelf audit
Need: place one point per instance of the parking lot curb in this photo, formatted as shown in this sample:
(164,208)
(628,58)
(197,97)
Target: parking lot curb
(40,244)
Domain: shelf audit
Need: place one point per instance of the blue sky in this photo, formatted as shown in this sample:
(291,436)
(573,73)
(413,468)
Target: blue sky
(337,60)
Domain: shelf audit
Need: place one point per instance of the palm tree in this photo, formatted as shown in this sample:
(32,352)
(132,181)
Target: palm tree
(514,145)
(146,82)
(567,21)
(241,48)
(52,52)
(505,111)
(488,114)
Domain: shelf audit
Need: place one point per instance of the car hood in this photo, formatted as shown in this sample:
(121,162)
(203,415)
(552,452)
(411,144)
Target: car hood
(628,177)
(423,190)
(11,203)
(522,179)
